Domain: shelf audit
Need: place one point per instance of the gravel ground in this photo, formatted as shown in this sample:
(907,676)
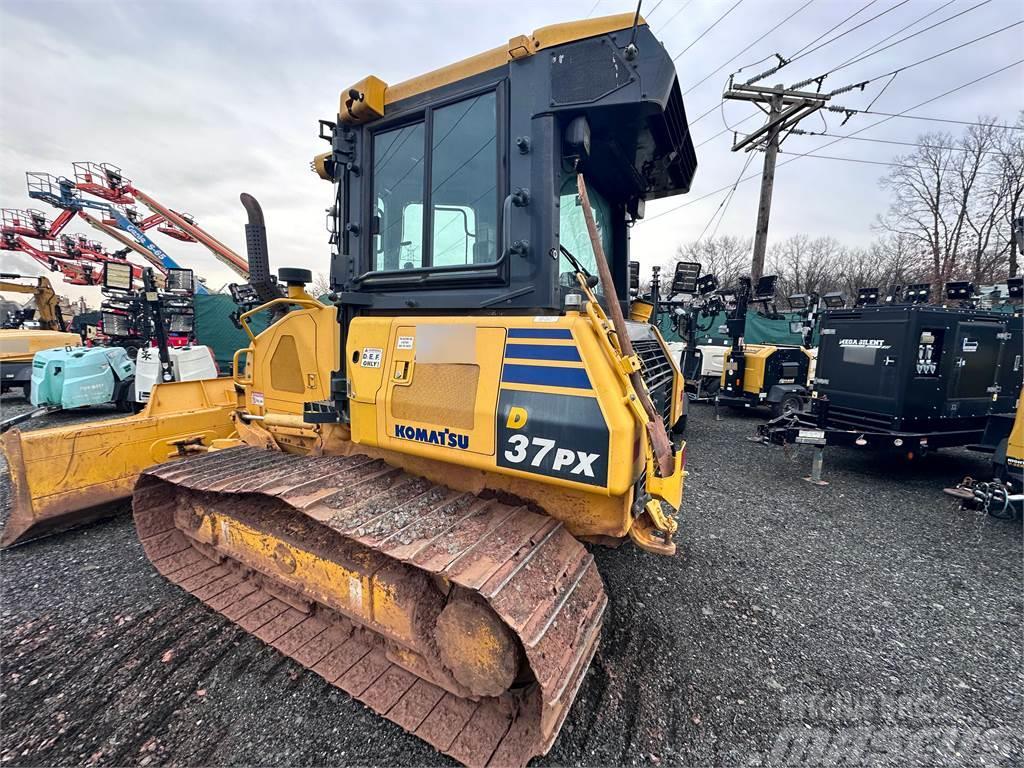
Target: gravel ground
(867,622)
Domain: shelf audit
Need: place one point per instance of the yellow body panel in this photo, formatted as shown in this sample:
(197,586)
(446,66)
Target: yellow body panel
(361,591)
(57,473)
(21,345)
(417,386)
(755,360)
(1015,443)
(376,94)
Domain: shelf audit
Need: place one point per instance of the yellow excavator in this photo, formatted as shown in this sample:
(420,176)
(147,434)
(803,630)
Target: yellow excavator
(19,344)
(395,486)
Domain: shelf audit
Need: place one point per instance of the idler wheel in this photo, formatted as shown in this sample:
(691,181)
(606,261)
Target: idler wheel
(479,650)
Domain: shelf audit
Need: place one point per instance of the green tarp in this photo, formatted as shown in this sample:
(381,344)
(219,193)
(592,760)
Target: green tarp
(760,329)
(213,327)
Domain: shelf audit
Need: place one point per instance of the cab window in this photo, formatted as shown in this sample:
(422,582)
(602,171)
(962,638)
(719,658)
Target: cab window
(461,227)
(573,234)
(398,192)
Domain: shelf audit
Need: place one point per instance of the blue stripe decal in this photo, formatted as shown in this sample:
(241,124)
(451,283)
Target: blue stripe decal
(539,333)
(541,352)
(575,378)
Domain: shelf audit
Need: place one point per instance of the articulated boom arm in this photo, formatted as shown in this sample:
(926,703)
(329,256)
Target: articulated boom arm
(224,254)
(66,194)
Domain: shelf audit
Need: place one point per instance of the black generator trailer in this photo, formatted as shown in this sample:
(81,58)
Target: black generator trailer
(907,379)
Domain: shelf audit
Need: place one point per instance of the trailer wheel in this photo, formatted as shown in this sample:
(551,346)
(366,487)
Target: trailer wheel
(790,403)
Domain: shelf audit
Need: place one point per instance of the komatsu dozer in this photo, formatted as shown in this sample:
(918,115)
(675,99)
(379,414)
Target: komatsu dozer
(417,461)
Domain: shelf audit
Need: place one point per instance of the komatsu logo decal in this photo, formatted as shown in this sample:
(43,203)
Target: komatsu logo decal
(444,437)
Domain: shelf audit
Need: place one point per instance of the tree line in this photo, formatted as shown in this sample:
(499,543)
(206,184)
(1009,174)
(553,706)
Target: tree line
(953,201)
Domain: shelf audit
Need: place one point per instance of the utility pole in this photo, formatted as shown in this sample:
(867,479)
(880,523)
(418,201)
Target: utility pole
(784,108)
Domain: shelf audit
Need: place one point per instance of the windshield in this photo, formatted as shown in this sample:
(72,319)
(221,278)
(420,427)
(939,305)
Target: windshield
(573,234)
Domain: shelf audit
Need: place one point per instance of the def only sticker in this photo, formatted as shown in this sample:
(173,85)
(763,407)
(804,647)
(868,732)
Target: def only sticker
(372,357)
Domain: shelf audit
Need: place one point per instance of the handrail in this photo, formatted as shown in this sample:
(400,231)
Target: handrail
(308,303)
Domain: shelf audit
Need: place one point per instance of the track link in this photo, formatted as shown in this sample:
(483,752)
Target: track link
(538,580)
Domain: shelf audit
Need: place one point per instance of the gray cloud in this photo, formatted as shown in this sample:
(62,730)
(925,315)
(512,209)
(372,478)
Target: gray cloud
(199,101)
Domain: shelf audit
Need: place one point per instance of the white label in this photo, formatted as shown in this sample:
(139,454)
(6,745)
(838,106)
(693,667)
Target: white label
(812,436)
(257,398)
(546,319)
(371,357)
(404,342)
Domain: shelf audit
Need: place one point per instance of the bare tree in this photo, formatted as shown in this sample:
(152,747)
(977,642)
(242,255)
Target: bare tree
(950,196)
(806,264)
(321,284)
(725,256)
(1010,153)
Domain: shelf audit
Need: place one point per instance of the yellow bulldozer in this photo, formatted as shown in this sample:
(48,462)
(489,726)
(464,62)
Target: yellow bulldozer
(395,486)
(19,344)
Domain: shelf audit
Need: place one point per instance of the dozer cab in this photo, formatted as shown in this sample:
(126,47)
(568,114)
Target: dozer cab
(415,463)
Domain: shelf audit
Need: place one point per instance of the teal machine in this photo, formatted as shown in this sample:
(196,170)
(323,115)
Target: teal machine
(73,377)
(77,377)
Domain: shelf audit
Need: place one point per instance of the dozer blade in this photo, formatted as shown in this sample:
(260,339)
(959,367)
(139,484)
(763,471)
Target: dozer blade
(68,476)
(465,620)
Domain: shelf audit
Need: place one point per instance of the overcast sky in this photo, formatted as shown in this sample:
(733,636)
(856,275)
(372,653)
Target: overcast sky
(199,101)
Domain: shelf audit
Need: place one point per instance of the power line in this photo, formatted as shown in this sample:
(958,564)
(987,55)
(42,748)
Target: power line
(905,67)
(993,73)
(724,205)
(783,61)
(671,18)
(837,26)
(891,164)
(751,45)
(713,25)
(837,108)
(844,34)
(893,141)
(902,29)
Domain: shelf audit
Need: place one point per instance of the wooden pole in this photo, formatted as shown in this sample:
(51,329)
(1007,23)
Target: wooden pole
(660,443)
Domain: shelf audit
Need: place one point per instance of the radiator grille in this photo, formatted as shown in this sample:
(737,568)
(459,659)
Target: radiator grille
(657,372)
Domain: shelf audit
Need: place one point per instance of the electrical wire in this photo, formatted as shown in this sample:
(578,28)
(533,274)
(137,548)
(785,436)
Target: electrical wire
(861,160)
(861,56)
(902,29)
(751,45)
(905,67)
(713,25)
(897,143)
(851,29)
(784,61)
(836,108)
(724,205)
(793,159)
(671,18)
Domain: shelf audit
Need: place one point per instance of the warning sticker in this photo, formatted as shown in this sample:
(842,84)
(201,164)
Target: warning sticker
(405,342)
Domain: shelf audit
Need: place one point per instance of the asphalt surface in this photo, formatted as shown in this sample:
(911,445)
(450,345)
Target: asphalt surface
(869,622)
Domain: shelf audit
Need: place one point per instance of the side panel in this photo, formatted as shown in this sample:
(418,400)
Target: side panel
(506,394)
